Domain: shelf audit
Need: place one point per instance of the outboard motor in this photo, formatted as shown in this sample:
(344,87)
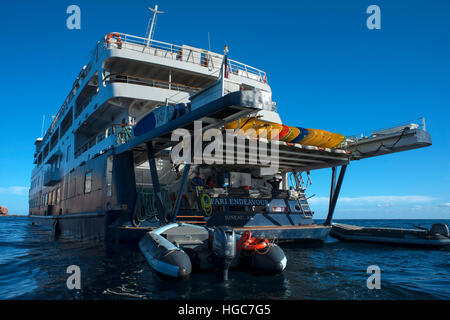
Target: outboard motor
(440,228)
(224,250)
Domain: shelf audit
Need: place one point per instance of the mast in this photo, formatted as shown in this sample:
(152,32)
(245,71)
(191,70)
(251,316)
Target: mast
(155,12)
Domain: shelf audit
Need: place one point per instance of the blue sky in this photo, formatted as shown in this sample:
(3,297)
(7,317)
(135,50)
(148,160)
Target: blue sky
(326,68)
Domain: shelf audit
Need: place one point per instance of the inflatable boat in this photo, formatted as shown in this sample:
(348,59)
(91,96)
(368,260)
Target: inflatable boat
(178,249)
(437,235)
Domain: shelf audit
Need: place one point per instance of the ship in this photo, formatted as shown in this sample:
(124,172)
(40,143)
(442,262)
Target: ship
(105,168)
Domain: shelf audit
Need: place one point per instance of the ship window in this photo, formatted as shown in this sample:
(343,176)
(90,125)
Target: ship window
(54,139)
(45,151)
(58,193)
(72,186)
(109,164)
(86,95)
(68,154)
(67,122)
(88,182)
(65,194)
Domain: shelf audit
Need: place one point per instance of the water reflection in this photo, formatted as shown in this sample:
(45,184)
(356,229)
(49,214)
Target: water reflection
(33,266)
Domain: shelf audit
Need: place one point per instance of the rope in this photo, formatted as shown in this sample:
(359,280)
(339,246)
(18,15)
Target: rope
(124,135)
(391,148)
(145,207)
(205,201)
(269,246)
(248,235)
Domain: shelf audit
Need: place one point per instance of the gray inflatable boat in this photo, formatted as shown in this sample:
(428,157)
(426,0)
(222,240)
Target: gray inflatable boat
(177,249)
(437,235)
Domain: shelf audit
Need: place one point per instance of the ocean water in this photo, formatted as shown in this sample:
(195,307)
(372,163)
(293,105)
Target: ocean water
(33,266)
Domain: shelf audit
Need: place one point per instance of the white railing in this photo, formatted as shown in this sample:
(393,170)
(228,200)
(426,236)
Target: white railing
(143,81)
(184,53)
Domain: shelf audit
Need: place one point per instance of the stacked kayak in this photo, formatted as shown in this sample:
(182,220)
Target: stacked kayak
(256,128)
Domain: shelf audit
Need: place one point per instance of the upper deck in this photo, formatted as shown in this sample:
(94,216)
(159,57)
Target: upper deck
(184,57)
(128,66)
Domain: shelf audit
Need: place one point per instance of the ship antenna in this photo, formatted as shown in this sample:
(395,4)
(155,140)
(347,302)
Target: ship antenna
(209,43)
(42,128)
(152,26)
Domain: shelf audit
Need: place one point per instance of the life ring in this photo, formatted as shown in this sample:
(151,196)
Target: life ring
(252,244)
(180,54)
(255,244)
(205,201)
(119,40)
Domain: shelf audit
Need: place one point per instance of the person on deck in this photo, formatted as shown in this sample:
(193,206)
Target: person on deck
(210,182)
(197,181)
(275,182)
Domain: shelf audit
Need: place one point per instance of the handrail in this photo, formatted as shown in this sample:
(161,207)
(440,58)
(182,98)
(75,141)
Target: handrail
(186,53)
(126,78)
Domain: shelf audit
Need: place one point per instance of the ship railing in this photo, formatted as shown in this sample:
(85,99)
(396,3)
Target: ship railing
(205,58)
(125,78)
(117,134)
(76,85)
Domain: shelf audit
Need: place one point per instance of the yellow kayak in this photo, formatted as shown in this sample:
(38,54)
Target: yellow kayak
(292,134)
(255,127)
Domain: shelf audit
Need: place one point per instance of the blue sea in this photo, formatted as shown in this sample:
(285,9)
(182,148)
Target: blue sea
(34,266)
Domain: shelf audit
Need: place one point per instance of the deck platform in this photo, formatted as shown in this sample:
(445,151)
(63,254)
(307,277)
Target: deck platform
(314,232)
